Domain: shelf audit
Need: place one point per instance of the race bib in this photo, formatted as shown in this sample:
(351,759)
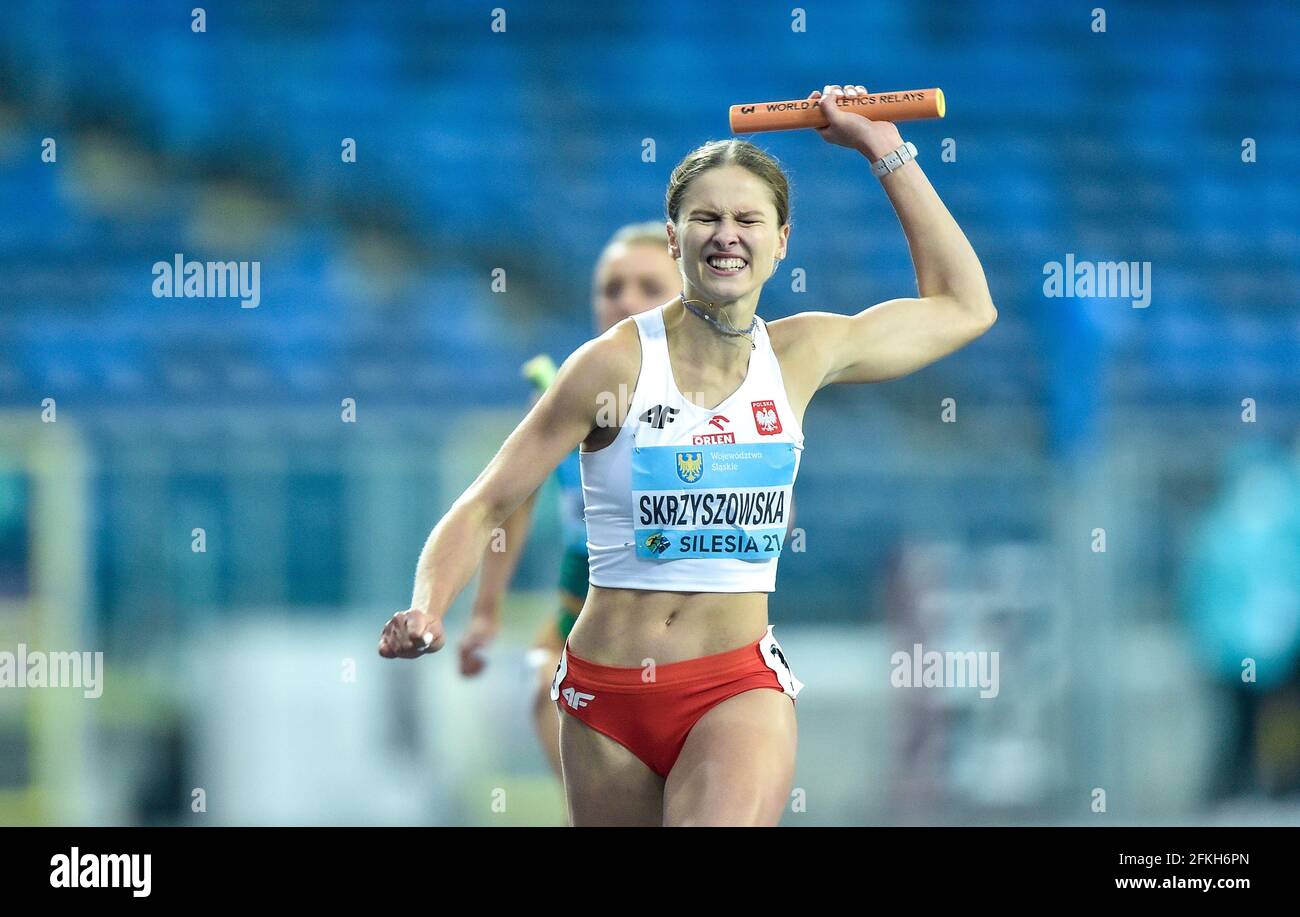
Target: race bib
(726,500)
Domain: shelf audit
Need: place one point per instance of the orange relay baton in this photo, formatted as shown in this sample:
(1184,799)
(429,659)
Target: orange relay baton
(911,105)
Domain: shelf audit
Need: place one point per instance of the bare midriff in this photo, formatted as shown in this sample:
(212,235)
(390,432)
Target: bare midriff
(625,627)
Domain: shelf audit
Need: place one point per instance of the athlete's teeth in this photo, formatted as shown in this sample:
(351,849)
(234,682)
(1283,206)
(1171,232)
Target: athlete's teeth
(727,264)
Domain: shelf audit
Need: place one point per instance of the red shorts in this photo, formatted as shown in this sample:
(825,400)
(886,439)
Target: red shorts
(651,718)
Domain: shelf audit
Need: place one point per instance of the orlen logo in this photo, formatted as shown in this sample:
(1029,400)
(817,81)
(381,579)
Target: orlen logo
(719,422)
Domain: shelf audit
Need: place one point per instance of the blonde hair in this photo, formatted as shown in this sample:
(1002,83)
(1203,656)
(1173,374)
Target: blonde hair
(651,232)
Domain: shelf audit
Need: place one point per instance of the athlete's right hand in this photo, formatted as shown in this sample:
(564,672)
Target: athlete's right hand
(410,634)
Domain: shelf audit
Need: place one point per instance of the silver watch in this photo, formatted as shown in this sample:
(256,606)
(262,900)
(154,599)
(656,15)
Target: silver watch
(888,163)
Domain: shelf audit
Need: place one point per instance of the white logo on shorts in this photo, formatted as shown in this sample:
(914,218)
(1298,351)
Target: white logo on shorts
(560,671)
(575,698)
(775,660)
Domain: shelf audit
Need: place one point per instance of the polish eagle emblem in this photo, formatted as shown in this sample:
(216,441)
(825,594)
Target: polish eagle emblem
(766,419)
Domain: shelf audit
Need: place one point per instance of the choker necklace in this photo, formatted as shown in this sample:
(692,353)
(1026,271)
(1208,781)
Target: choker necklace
(730,329)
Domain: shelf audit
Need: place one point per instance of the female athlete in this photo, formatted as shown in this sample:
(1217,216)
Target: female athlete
(676,702)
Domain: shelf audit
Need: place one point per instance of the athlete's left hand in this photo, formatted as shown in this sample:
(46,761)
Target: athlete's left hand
(873,139)
(482,630)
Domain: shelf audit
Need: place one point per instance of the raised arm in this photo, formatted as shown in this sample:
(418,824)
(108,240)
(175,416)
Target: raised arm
(899,336)
(562,418)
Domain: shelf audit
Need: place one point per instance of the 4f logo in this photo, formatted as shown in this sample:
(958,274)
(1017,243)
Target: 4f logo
(659,415)
(575,698)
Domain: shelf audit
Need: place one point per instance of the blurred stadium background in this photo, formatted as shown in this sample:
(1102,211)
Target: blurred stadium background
(249,670)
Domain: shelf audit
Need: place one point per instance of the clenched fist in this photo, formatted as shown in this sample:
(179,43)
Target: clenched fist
(873,138)
(411,633)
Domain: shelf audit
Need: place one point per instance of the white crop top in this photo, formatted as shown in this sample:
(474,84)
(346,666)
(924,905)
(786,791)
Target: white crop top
(689,499)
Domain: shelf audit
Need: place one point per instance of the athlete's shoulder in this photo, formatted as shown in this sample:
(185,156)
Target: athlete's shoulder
(803,344)
(606,360)
(802,331)
(617,350)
